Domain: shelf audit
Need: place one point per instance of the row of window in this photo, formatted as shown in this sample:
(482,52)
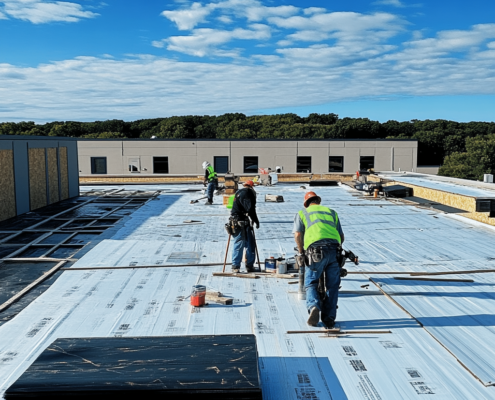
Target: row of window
(221,164)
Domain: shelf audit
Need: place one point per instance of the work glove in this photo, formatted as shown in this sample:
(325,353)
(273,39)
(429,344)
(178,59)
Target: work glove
(343,272)
(257,225)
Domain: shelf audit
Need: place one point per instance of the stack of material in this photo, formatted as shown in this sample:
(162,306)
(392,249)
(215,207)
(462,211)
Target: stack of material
(231,184)
(187,367)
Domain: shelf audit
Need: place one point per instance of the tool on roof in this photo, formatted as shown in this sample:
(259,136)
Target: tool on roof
(256,246)
(195,201)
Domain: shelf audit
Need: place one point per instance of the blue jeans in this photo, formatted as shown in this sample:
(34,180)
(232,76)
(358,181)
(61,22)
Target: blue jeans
(240,244)
(331,267)
(212,186)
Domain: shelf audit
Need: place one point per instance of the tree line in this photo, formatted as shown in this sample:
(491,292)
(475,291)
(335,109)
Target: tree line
(465,150)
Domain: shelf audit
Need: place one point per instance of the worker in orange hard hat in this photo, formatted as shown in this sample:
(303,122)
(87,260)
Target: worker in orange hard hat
(244,209)
(318,235)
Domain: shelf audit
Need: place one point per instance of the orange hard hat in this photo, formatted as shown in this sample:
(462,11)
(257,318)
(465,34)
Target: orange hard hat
(249,183)
(310,196)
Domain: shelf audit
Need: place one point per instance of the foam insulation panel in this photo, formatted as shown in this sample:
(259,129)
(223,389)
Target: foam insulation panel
(53,183)
(37,178)
(7,185)
(64,173)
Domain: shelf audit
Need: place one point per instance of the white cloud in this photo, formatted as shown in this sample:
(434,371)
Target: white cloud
(225,19)
(205,41)
(89,88)
(395,3)
(40,11)
(188,18)
(491,45)
(253,10)
(314,10)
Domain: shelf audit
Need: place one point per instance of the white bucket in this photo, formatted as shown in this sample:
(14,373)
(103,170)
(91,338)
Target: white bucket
(488,178)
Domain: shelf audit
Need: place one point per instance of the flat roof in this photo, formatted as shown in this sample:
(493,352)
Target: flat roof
(249,140)
(441,340)
(447,184)
(28,137)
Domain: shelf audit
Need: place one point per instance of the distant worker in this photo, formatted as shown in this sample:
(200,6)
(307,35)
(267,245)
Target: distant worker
(318,236)
(212,180)
(244,206)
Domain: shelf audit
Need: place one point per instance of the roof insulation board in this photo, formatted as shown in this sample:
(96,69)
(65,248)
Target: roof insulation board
(432,182)
(387,236)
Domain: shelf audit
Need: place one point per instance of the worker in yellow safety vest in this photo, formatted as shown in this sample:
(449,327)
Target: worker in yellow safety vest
(318,236)
(211,179)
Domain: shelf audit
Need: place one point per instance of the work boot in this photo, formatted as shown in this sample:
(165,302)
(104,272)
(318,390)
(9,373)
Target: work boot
(208,203)
(250,268)
(236,269)
(314,317)
(329,323)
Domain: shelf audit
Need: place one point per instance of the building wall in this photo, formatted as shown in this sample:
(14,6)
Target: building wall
(36,171)
(186,156)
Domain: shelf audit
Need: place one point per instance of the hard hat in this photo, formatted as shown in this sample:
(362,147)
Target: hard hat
(249,183)
(310,196)
(206,164)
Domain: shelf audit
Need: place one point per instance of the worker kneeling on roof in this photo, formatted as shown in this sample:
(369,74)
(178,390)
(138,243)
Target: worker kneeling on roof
(244,206)
(212,180)
(318,236)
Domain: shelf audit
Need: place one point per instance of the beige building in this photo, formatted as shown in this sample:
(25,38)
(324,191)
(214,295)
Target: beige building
(184,157)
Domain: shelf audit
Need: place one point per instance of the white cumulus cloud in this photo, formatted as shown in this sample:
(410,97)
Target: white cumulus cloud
(188,18)
(205,41)
(40,11)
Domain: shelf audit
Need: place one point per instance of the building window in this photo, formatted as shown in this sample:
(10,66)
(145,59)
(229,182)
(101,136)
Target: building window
(98,165)
(251,165)
(303,164)
(134,165)
(336,164)
(366,162)
(160,165)
(221,164)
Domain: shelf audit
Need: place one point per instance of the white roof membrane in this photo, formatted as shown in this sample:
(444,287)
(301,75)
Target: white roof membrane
(404,364)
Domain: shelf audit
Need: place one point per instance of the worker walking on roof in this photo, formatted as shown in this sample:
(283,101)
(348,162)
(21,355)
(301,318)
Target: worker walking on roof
(243,209)
(318,236)
(212,180)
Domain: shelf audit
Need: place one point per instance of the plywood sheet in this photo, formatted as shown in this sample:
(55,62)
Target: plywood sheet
(64,173)
(53,183)
(7,185)
(37,178)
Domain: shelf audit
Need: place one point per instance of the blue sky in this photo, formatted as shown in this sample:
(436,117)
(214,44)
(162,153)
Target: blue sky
(381,59)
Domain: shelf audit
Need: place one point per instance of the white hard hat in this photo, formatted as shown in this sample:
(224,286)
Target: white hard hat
(205,164)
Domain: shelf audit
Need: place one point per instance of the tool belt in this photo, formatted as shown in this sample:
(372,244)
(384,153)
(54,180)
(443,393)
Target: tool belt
(236,224)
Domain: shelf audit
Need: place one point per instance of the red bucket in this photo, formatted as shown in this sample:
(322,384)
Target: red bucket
(198,295)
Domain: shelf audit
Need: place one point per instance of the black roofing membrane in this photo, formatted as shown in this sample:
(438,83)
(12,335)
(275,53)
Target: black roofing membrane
(171,367)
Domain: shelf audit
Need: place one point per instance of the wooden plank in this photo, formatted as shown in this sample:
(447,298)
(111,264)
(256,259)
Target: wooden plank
(37,178)
(474,271)
(217,297)
(234,275)
(7,185)
(146,266)
(403,278)
(42,278)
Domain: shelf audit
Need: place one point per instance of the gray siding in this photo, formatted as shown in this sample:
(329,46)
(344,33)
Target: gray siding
(186,156)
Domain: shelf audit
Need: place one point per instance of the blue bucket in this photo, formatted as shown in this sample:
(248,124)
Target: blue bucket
(271,265)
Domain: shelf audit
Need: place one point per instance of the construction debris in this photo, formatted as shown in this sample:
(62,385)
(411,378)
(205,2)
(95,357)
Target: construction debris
(217,297)
(274,198)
